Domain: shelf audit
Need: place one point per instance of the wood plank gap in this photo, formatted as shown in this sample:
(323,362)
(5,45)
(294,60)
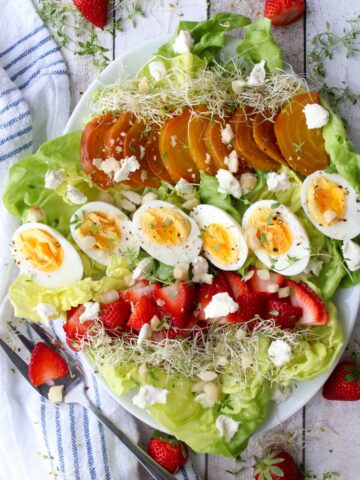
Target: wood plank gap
(305,46)
(303,459)
(206,466)
(208,12)
(114,33)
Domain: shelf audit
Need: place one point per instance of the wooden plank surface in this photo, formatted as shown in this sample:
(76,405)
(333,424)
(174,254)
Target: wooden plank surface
(330,429)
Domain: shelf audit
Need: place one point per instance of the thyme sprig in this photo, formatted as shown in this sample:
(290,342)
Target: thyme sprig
(324,45)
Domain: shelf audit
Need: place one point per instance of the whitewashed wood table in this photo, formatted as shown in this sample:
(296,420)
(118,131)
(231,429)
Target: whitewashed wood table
(328,432)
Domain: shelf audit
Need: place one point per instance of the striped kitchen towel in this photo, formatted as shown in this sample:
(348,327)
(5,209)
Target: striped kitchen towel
(40,441)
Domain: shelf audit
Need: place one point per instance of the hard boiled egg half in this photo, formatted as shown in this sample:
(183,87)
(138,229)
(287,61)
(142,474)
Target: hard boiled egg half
(100,230)
(166,233)
(332,205)
(44,254)
(223,241)
(276,237)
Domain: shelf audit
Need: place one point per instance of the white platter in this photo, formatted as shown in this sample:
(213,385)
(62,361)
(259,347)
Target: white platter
(347,300)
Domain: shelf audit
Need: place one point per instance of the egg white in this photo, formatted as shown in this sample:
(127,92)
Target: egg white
(350,226)
(204,215)
(299,249)
(71,269)
(127,241)
(183,253)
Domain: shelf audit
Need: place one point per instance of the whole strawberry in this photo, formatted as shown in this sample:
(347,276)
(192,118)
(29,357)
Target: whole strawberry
(277,465)
(283,12)
(167,451)
(93,10)
(344,383)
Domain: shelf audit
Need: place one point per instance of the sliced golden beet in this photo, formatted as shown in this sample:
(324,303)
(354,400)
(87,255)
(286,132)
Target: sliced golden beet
(216,148)
(114,137)
(265,139)
(92,146)
(174,149)
(244,143)
(134,144)
(198,123)
(153,156)
(302,148)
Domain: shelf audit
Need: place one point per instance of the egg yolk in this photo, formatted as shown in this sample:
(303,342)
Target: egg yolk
(103,228)
(165,226)
(272,231)
(220,244)
(326,201)
(41,249)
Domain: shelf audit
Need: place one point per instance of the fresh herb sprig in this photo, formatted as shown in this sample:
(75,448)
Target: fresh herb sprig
(323,48)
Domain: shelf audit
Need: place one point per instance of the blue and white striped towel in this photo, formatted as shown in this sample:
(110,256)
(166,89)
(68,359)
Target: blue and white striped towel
(39,440)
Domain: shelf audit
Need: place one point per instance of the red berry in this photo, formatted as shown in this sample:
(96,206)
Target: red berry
(94,10)
(206,292)
(167,451)
(283,12)
(277,465)
(141,289)
(114,316)
(237,285)
(284,314)
(74,329)
(313,308)
(177,301)
(144,310)
(257,284)
(250,305)
(344,382)
(46,364)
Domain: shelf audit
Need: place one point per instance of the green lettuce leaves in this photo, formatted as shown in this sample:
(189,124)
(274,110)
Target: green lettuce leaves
(259,44)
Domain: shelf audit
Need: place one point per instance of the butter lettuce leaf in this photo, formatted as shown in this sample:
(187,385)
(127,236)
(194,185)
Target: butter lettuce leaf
(341,150)
(259,44)
(25,294)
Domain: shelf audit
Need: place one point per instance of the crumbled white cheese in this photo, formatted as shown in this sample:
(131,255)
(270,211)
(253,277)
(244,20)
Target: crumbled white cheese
(34,214)
(227,427)
(109,166)
(91,312)
(144,334)
(272,288)
(247,182)
(314,266)
(132,196)
(157,70)
(181,272)
(97,162)
(110,296)
(232,161)
(143,267)
(316,116)
(75,195)
(257,75)
(183,42)
(279,394)
(263,274)
(46,312)
(279,352)
(150,395)
(329,216)
(248,275)
(200,268)
(284,292)
(238,85)
(56,394)
(205,400)
(127,165)
(220,305)
(351,253)
(228,184)
(277,182)
(183,187)
(227,134)
(54,178)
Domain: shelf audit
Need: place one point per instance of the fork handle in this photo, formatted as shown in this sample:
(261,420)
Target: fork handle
(153,468)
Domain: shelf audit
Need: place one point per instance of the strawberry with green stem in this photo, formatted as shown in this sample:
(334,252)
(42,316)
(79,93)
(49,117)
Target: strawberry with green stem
(277,464)
(167,451)
(344,382)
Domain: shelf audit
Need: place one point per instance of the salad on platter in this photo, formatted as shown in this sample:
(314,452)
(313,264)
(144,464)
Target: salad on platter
(192,235)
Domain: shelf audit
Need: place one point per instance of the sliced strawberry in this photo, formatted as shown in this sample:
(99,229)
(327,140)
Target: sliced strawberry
(144,310)
(206,292)
(93,10)
(284,314)
(74,329)
(114,316)
(250,304)
(257,284)
(313,308)
(237,285)
(141,289)
(283,12)
(46,364)
(176,301)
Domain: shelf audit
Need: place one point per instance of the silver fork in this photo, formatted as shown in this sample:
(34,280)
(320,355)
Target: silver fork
(75,392)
